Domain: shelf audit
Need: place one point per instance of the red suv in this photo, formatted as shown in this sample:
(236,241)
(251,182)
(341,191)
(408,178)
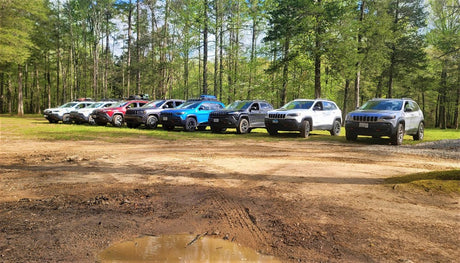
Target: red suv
(116,113)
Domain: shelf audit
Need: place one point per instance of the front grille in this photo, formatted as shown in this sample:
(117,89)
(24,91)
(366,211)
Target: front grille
(277,115)
(365,118)
(167,114)
(218,113)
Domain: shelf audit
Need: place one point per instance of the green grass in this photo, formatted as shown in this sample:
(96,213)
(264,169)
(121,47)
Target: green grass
(37,127)
(440,181)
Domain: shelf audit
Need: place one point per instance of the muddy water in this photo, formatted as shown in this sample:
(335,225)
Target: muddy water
(180,248)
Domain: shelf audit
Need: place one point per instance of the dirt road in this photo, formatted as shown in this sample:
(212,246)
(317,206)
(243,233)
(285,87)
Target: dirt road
(301,201)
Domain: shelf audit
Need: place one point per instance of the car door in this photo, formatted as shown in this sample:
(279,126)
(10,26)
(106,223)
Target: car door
(411,116)
(255,116)
(318,114)
(329,113)
(202,112)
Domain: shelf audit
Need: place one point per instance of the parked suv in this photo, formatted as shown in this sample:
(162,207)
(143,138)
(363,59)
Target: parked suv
(149,114)
(243,115)
(83,115)
(116,113)
(386,117)
(305,115)
(62,113)
(192,114)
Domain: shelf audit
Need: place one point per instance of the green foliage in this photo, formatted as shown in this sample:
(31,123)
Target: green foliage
(440,181)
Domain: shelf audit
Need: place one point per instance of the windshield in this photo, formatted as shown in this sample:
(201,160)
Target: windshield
(393,105)
(119,104)
(188,105)
(298,104)
(68,105)
(153,104)
(238,105)
(95,105)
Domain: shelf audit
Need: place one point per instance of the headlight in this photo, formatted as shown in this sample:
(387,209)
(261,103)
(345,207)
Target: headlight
(389,117)
(293,114)
(349,117)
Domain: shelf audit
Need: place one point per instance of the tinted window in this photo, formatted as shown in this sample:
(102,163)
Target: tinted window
(255,106)
(215,106)
(265,106)
(393,105)
(318,106)
(329,105)
(298,105)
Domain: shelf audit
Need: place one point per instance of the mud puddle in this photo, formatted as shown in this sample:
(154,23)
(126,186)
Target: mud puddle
(180,248)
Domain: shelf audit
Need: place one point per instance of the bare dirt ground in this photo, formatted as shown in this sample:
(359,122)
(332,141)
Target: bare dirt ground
(301,201)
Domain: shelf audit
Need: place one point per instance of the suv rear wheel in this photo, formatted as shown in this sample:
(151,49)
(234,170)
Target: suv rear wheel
(305,129)
(397,138)
(243,126)
(190,124)
(152,122)
(335,128)
(117,120)
(420,132)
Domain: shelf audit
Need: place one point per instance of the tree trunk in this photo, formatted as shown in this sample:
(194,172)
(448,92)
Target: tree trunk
(457,99)
(128,79)
(138,49)
(318,46)
(285,71)
(2,98)
(358,64)
(20,95)
(345,99)
(205,48)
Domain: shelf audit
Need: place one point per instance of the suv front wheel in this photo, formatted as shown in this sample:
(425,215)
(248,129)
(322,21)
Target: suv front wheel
(152,122)
(243,126)
(305,129)
(397,138)
(190,124)
(117,120)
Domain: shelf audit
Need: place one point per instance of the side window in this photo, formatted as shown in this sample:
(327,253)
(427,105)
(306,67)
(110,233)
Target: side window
(131,105)
(170,104)
(318,106)
(414,106)
(329,106)
(177,103)
(107,105)
(216,106)
(204,106)
(265,106)
(255,106)
(140,104)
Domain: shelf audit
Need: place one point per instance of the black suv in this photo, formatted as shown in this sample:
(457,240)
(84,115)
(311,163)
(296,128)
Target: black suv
(244,115)
(149,114)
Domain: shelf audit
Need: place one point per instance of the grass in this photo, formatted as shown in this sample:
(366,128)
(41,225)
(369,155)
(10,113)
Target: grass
(441,181)
(37,127)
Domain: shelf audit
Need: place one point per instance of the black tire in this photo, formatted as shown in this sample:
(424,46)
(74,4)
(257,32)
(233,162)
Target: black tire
(336,126)
(91,120)
(243,126)
(351,136)
(305,129)
(152,122)
(272,132)
(66,119)
(420,132)
(190,125)
(397,138)
(168,127)
(117,120)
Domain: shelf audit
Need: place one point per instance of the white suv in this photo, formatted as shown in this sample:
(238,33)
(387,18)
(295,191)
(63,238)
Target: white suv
(83,115)
(305,115)
(62,113)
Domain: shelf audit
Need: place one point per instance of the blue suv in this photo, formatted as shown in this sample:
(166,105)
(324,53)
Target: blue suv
(191,115)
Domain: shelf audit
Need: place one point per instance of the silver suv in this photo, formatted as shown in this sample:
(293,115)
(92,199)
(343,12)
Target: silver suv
(386,117)
(62,113)
(305,115)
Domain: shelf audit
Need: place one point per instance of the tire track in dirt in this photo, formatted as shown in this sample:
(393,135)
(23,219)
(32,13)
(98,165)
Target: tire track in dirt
(238,217)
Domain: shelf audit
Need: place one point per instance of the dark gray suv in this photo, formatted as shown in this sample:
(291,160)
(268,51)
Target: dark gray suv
(386,117)
(149,113)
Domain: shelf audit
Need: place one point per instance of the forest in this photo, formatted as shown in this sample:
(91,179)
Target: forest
(349,51)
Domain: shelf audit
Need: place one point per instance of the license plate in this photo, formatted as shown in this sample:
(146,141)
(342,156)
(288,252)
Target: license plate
(364,125)
(215,120)
(165,118)
(274,121)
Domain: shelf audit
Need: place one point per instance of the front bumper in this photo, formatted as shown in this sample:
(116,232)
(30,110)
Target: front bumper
(370,128)
(78,117)
(223,121)
(101,117)
(136,119)
(53,116)
(282,124)
(172,120)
